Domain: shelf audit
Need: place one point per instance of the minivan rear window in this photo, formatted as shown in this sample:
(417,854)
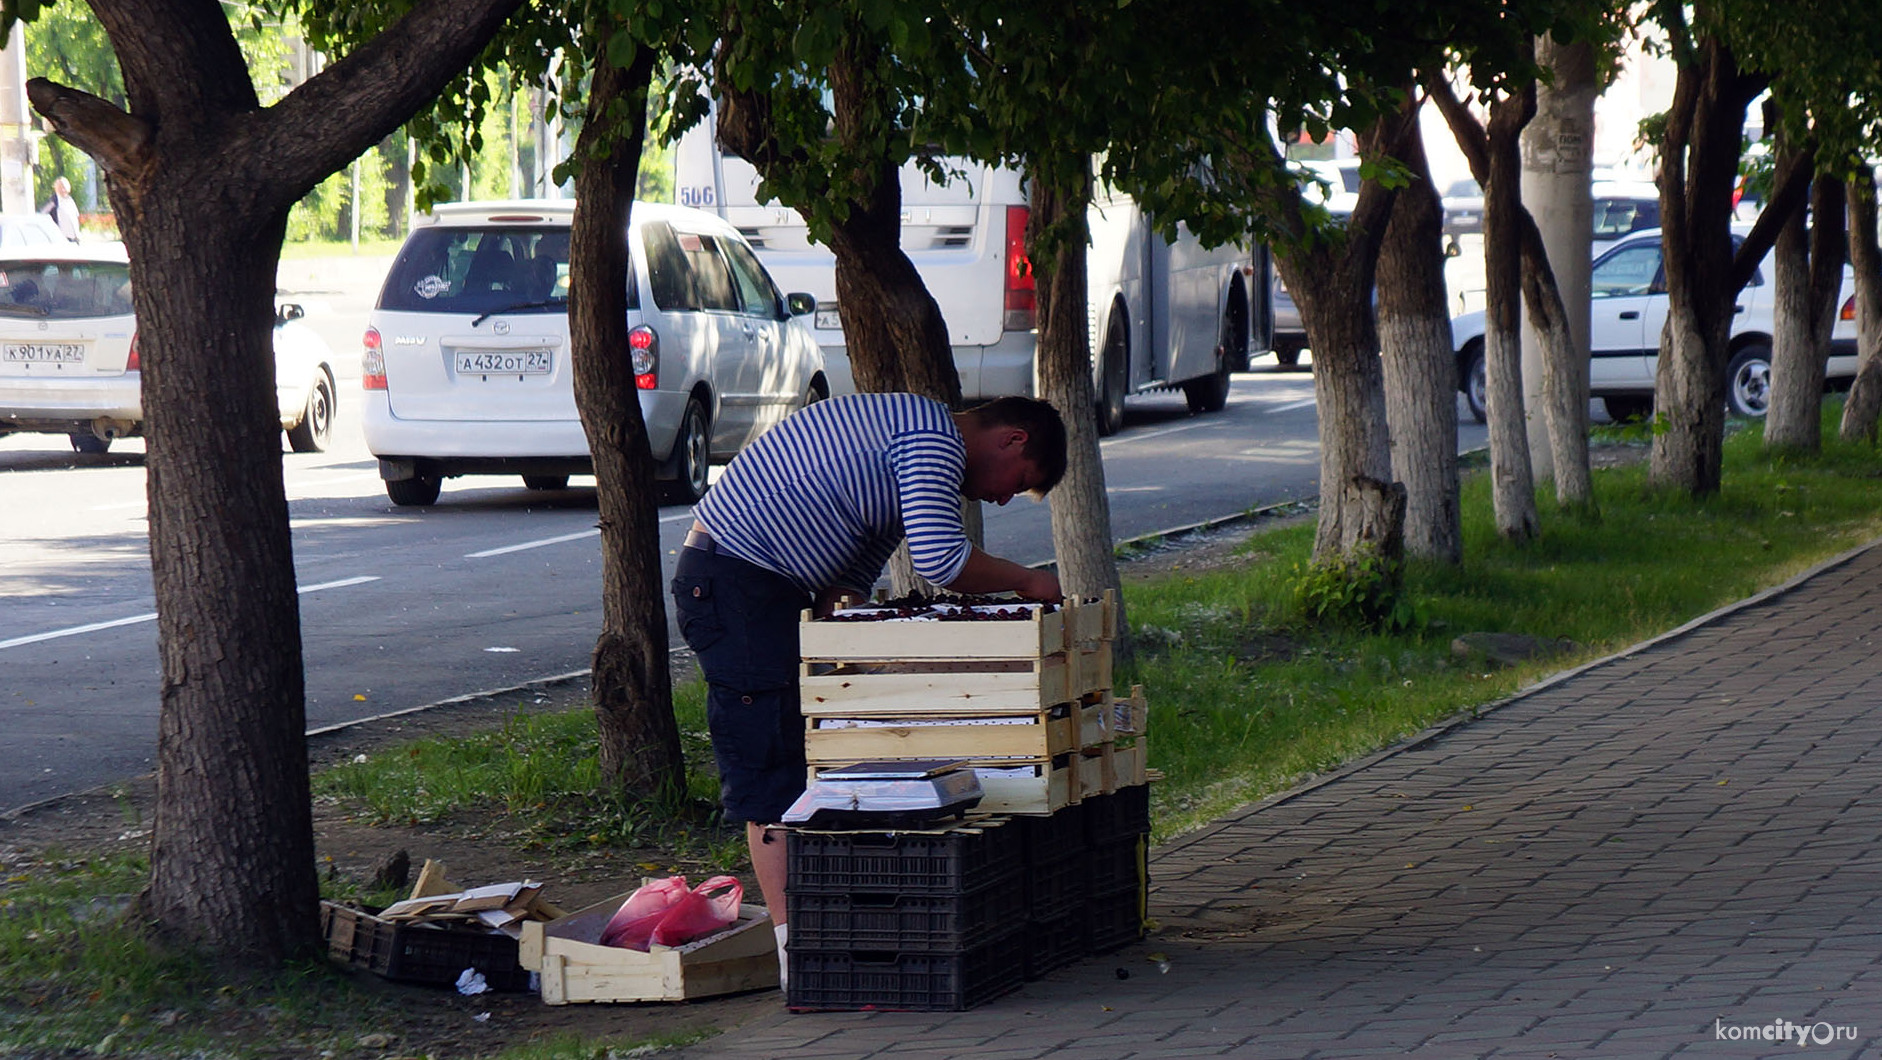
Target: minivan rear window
(65,290)
(495,269)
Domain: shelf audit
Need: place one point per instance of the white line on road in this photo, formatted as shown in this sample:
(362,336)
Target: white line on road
(545,542)
(1292,406)
(152,616)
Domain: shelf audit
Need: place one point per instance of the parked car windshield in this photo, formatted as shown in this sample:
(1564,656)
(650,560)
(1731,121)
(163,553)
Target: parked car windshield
(495,269)
(65,290)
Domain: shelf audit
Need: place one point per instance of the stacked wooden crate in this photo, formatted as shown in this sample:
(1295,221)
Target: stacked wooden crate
(1028,702)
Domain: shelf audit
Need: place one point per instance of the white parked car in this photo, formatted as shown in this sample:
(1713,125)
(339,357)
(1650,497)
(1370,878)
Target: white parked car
(468,369)
(1629,305)
(68,352)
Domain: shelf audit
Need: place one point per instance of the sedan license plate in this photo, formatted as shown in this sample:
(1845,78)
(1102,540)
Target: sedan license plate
(502,362)
(44,352)
(829,319)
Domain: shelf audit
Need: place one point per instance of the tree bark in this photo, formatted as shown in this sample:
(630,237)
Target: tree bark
(202,177)
(1864,405)
(1420,370)
(1081,509)
(639,737)
(1699,163)
(1512,489)
(1555,224)
(1809,277)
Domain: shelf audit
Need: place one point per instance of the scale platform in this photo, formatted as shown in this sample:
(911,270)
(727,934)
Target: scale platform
(887,795)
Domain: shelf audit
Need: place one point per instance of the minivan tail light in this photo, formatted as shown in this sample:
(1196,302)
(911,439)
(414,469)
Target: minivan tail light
(643,350)
(372,365)
(131,362)
(1021,308)
(1849,309)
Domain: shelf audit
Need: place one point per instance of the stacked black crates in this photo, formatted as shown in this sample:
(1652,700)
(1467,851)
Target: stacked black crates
(925,921)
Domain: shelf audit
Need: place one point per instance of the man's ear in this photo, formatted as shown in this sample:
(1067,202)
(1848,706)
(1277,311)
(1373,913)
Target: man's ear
(1014,436)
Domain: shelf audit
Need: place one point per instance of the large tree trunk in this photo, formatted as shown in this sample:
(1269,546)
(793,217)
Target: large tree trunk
(1420,371)
(1081,509)
(1809,268)
(640,739)
(202,179)
(1865,394)
(1557,159)
(1698,165)
(1512,484)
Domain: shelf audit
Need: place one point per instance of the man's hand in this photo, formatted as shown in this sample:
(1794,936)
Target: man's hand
(1041,585)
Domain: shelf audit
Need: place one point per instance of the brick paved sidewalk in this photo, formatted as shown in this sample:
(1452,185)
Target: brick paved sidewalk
(1658,855)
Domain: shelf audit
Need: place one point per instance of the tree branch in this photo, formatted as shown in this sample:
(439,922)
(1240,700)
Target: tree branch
(1788,193)
(1471,137)
(120,142)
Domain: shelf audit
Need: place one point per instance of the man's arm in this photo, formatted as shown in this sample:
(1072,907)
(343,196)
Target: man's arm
(984,573)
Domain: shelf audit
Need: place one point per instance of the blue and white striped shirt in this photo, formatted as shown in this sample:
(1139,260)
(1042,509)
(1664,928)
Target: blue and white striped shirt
(824,497)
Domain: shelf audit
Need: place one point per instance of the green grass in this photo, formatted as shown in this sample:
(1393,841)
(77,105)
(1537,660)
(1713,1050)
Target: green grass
(335,248)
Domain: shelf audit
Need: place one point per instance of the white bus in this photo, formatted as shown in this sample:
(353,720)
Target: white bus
(1163,315)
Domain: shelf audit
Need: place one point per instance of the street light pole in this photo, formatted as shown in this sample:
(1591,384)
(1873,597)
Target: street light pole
(17,148)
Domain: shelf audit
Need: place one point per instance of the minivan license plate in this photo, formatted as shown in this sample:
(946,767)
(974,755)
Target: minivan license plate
(502,362)
(45,352)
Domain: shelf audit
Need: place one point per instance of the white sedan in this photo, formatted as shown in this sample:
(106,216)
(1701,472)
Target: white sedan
(68,352)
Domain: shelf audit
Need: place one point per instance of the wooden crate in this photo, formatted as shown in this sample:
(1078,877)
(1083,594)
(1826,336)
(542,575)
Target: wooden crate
(574,967)
(867,688)
(1076,627)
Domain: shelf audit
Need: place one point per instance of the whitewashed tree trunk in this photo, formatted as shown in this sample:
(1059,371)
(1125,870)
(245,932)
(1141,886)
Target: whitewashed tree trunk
(1420,371)
(1512,489)
(1558,146)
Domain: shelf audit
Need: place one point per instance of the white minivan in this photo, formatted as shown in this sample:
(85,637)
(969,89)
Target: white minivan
(467,367)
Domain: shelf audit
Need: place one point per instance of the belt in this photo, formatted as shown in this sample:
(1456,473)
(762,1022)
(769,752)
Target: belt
(698,538)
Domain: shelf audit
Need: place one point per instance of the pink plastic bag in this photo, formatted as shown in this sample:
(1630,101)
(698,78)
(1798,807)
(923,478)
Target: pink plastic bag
(665,912)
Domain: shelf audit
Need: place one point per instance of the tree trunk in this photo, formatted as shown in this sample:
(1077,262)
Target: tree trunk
(1865,395)
(202,179)
(1081,509)
(1699,163)
(1420,371)
(1512,490)
(640,739)
(1809,279)
(1556,221)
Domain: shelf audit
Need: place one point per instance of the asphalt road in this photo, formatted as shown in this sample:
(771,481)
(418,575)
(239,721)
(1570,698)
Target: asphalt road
(494,586)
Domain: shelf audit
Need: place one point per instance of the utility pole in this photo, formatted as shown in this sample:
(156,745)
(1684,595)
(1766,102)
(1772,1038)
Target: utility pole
(18,149)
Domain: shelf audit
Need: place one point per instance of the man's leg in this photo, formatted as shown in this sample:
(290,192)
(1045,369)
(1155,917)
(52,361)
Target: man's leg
(770,862)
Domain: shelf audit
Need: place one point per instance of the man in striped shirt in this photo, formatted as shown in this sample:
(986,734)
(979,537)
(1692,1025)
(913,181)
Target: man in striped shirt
(811,512)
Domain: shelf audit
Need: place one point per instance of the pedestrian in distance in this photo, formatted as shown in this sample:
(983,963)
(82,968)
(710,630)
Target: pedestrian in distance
(62,209)
(810,513)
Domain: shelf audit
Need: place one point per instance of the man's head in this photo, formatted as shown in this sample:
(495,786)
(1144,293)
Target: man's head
(1014,445)
(61,186)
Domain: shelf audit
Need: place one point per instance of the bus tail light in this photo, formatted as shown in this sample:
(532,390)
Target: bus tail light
(1021,307)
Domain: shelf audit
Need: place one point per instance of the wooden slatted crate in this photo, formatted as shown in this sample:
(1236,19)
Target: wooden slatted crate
(1027,703)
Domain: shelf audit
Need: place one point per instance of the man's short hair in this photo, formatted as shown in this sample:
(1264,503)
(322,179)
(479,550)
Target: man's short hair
(1045,433)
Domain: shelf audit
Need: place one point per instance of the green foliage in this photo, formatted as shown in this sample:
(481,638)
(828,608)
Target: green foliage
(1362,589)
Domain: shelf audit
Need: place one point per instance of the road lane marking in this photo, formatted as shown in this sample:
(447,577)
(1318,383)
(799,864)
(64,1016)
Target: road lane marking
(94,627)
(547,541)
(1292,406)
(527,545)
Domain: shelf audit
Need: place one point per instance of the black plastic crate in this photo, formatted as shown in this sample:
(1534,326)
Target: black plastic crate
(1115,866)
(1053,944)
(1055,888)
(1114,920)
(958,861)
(919,982)
(905,923)
(1121,815)
(420,953)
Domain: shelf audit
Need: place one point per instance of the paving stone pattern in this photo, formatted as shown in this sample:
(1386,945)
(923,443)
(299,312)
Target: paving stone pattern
(1677,844)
